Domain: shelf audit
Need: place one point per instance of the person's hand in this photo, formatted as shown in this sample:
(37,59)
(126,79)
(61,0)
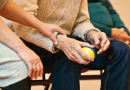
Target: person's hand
(72,49)
(99,40)
(49,29)
(120,34)
(32,60)
(125,33)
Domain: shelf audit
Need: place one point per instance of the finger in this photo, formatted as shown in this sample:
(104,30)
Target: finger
(121,30)
(85,44)
(52,37)
(30,69)
(81,60)
(126,37)
(74,56)
(61,31)
(84,55)
(41,73)
(38,71)
(95,41)
(34,71)
(77,57)
(68,54)
(127,42)
(106,46)
(103,40)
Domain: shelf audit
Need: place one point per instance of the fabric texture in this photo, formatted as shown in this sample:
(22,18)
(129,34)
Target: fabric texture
(2,3)
(22,85)
(71,15)
(65,75)
(12,68)
(104,17)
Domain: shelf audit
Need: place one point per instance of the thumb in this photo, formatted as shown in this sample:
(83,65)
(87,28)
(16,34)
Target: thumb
(127,42)
(54,39)
(61,31)
(121,30)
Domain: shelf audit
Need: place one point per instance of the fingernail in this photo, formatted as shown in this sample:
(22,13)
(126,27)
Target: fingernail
(55,43)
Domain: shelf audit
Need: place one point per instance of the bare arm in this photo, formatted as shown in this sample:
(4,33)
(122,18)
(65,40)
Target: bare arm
(9,38)
(15,13)
(28,56)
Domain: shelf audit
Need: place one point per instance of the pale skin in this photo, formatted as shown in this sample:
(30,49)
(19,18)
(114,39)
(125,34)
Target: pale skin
(120,34)
(72,47)
(13,12)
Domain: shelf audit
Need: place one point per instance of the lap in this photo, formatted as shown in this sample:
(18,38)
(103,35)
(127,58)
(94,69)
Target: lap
(12,68)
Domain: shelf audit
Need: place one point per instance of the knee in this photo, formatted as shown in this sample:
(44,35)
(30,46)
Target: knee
(119,47)
(119,51)
(63,65)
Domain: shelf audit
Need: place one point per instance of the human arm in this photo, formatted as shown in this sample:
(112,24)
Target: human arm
(28,56)
(13,12)
(115,17)
(83,26)
(120,34)
(119,31)
(71,47)
(31,34)
(115,33)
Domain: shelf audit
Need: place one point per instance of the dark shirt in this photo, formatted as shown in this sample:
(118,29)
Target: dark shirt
(93,0)
(104,17)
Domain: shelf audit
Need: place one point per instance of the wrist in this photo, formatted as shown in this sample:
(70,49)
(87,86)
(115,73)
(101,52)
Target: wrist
(19,48)
(86,35)
(40,25)
(60,39)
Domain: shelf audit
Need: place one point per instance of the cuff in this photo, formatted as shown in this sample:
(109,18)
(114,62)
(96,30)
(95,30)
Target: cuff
(85,35)
(54,48)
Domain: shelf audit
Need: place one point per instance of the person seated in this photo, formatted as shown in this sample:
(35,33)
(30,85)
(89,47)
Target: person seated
(17,61)
(65,58)
(105,18)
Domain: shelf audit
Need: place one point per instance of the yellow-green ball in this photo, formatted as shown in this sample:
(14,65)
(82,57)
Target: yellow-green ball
(89,51)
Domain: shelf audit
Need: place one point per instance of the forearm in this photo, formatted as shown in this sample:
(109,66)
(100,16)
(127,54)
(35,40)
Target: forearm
(82,23)
(33,36)
(9,38)
(15,13)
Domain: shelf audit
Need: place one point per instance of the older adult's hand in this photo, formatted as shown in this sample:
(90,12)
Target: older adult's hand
(72,49)
(99,40)
(120,34)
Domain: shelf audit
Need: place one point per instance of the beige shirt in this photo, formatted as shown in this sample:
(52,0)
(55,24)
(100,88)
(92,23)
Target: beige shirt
(71,15)
(2,3)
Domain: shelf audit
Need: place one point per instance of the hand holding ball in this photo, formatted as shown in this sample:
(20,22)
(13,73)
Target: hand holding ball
(89,51)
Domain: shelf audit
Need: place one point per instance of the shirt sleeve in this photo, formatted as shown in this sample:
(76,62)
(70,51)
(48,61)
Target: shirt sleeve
(82,23)
(115,17)
(2,3)
(31,34)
